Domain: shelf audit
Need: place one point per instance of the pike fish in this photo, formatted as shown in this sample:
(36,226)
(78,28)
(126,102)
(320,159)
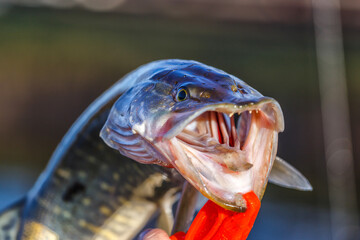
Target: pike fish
(216,130)
(179,120)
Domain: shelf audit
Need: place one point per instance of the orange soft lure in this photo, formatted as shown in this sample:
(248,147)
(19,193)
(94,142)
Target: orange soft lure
(216,223)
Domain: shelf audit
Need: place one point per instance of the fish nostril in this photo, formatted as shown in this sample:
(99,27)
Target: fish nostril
(234,88)
(241,89)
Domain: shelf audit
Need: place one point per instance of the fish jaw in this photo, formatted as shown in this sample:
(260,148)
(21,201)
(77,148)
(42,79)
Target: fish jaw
(222,160)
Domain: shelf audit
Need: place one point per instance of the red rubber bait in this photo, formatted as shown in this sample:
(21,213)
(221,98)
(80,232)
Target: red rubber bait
(216,223)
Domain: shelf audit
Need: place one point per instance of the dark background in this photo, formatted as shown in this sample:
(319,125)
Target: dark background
(55,62)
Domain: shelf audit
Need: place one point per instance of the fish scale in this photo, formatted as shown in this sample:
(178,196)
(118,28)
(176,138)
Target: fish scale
(100,188)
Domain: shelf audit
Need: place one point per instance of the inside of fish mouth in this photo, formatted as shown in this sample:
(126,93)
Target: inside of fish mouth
(230,130)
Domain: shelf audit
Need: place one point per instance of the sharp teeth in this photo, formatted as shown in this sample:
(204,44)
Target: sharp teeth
(223,129)
(208,128)
(228,123)
(231,129)
(214,126)
(244,127)
(234,134)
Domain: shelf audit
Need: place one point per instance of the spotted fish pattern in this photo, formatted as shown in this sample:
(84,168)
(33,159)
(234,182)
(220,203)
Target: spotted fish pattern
(88,190)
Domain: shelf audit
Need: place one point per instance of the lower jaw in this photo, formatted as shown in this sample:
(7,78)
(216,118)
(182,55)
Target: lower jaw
(228,198)
(227,193)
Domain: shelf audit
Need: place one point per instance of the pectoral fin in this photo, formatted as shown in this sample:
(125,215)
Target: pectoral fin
(186,208)
(285,175)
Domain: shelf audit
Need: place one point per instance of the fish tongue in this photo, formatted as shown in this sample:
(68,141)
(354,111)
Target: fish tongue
(234,160)
(238,166)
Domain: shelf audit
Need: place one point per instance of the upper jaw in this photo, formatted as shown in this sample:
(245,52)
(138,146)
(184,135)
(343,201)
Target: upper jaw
(179,120)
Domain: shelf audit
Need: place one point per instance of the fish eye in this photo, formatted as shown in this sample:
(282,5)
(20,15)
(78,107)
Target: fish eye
(182,94)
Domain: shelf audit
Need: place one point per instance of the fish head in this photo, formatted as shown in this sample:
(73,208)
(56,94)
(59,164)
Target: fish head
(216,130)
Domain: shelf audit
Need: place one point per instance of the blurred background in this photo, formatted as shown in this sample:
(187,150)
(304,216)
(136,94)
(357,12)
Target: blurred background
(57,56)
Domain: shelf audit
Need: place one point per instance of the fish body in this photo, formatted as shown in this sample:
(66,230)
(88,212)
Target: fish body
(171,117)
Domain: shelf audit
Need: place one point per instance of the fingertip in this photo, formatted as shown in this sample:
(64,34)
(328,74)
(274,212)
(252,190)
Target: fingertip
(154,234)
(143,233)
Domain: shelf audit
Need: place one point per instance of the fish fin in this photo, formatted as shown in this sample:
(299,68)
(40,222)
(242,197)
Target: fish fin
(166,218)
(186,208)
(10,219)
(285,175)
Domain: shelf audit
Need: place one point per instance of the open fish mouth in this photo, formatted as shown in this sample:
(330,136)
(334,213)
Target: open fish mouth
(228,150)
